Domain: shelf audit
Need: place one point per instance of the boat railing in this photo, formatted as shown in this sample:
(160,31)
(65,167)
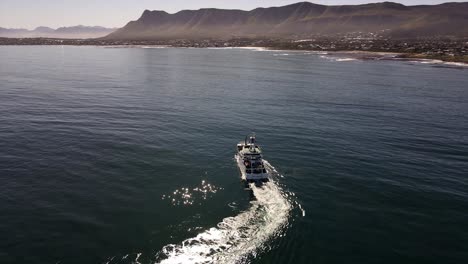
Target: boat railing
(256,171)
(258,167)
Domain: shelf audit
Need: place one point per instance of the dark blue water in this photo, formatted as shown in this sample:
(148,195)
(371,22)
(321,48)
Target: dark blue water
(116,155)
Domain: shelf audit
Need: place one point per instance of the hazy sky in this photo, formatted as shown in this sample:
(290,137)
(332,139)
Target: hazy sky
(116,13)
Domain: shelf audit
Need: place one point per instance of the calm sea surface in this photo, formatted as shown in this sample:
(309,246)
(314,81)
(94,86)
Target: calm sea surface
(126,155)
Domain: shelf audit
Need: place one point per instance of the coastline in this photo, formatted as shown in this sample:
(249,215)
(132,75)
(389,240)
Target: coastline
(355,54)
(425,58)
(385,55)
(367,55)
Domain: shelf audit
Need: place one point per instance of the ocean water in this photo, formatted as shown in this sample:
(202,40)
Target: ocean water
(126,155)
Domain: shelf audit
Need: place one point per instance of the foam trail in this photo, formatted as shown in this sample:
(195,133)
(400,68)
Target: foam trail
(137,257)
(236,238)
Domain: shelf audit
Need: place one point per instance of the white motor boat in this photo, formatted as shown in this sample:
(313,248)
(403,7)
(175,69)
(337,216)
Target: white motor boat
(250,161)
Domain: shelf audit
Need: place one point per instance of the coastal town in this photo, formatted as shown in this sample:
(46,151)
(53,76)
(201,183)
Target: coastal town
(443,48)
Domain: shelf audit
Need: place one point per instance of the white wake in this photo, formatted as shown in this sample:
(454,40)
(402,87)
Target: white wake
(237,238)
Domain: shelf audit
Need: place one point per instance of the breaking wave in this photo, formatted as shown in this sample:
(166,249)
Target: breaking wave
(346,59)
(441,63)
(337,59)
(239,48)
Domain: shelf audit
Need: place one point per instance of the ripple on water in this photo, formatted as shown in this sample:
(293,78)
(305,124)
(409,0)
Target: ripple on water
(189,196)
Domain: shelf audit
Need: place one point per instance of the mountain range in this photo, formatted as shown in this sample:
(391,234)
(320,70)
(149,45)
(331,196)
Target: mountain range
(299,20)
(76,32)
